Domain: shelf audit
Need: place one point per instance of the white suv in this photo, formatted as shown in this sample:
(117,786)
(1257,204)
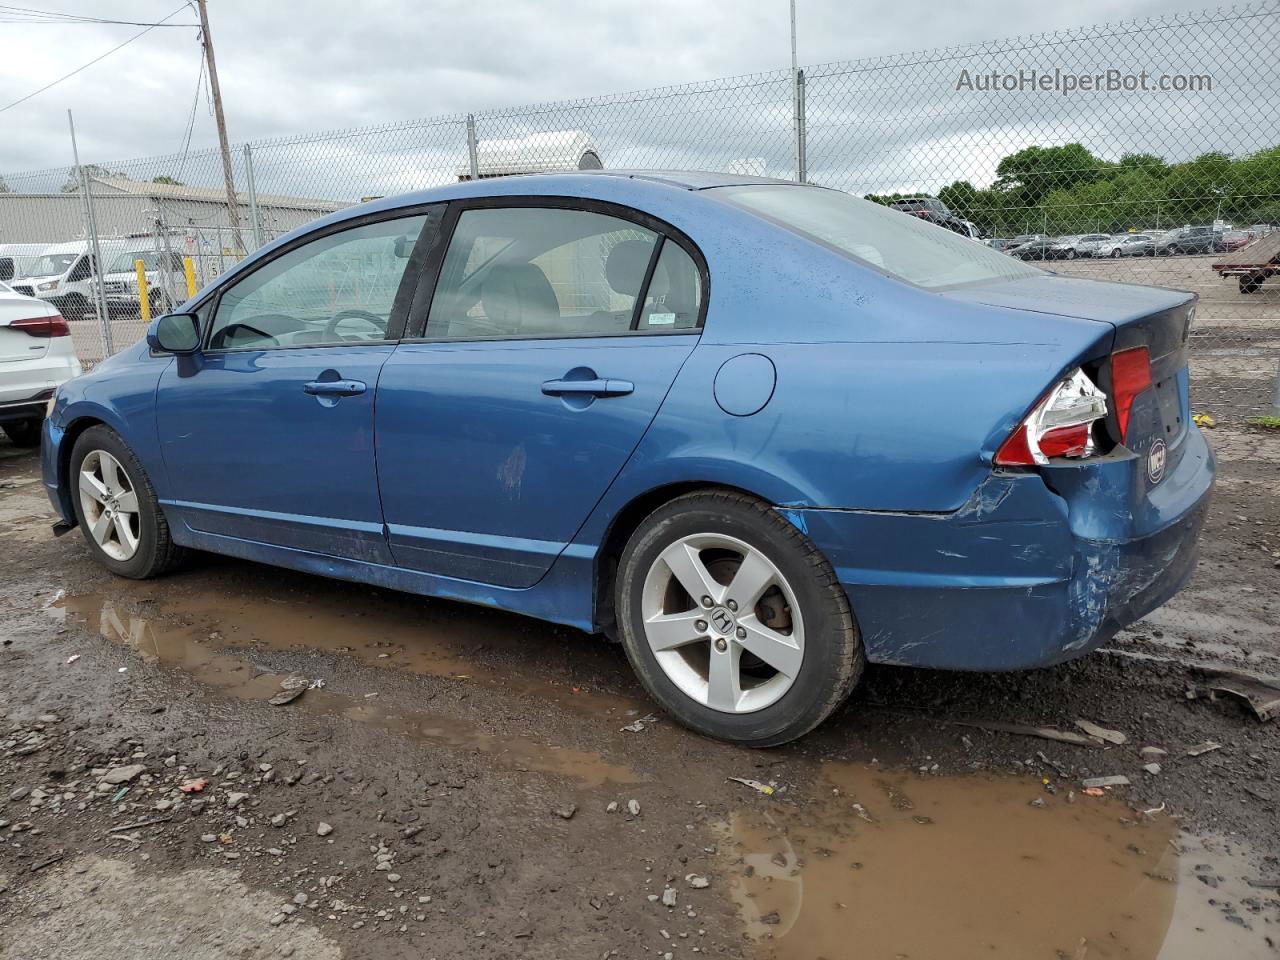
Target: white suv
(36,357)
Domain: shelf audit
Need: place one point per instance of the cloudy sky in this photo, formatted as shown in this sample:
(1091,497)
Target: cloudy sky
(296,67)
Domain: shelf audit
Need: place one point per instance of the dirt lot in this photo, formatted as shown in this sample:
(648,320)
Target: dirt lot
(473,784)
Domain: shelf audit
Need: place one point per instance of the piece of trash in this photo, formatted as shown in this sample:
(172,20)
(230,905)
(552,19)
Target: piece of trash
(1154,810)
(768,789)
(123,670)
(194,786)
(861,811)
(316,684)
(73,658)
(1203,748)
(1022,730)
(287,696)
(1094,792)
(697,882)
(120,794)
(1102,733)
(1204,420)
(1118,780)
(639,725)
(1261,698)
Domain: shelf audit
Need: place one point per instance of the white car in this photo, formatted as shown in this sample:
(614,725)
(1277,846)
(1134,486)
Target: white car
(36,357)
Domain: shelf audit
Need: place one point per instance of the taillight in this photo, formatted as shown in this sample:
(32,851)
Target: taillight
(53,326)
(1060,425)
(1130,375)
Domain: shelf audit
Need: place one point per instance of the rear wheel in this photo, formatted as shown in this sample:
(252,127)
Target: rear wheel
(1115,253)
(24,433)
(1249,283)
(117,509)
(734,621)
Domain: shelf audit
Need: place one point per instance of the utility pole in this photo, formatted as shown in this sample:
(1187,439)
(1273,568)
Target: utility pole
(233,205)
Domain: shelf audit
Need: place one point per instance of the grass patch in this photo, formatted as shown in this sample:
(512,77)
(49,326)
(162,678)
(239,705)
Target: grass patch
(1272,423)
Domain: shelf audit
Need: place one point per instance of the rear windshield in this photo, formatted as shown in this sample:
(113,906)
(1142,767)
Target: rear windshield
(892,242)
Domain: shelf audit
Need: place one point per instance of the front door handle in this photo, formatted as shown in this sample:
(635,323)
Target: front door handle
(595,388)
(334,388)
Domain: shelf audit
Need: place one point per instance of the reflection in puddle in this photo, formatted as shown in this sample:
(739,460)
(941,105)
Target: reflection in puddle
(187,649)
(951,867)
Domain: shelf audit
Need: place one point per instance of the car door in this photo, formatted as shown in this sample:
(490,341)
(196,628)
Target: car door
(552,338)
(268,435)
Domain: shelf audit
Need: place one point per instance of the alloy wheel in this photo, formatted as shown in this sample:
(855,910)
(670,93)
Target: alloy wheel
(723,623)
(110,505)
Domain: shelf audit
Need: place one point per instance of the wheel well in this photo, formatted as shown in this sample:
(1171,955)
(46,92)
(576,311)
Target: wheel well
(620,530)
(69,437)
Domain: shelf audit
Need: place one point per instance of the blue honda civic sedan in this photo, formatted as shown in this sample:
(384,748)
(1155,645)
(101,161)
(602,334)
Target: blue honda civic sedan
(760,432)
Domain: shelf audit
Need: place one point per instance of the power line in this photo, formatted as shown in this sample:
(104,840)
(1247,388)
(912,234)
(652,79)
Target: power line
(12,14)
(91,62)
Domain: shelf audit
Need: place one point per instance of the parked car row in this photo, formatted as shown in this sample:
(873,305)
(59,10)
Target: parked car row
(1160,243)
(66,275)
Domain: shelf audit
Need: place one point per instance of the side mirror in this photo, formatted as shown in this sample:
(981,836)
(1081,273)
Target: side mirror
(176,333)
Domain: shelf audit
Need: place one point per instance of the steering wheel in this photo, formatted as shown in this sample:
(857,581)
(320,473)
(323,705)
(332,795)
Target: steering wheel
(375,321)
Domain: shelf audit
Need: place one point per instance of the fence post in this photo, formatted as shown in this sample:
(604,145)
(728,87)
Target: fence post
(252,186)
(802,160)
(472,153)
(99,268)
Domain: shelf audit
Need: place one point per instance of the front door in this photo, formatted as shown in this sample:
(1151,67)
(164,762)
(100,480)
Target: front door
(268,435)
(552,339)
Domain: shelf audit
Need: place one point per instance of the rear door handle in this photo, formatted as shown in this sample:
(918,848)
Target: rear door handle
(334,388)
(596,388)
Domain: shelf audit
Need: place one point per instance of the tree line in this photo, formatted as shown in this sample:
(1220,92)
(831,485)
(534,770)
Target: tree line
(1066,189)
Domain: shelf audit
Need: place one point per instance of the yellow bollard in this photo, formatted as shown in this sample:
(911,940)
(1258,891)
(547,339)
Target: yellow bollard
(190,269)
(144,299)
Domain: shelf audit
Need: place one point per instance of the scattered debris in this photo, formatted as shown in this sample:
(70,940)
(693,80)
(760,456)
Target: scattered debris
(1093,792)
(47,862)
(1022,730)
(323,830)
(1102,733)
(633,807)
(1203,748)
(566,811)
(768,789)
(125,827)
(1151,752)
(194,786)
(73,658)
(1261,698)
(117,775)
(1117,780)
(1154,810)
(669,897)
(639,725)
(1152,768)
(861,811)
(1204,420)
(697,882)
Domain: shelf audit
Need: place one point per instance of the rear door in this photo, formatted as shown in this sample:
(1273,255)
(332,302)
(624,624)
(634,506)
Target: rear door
(552,338)
(268,437)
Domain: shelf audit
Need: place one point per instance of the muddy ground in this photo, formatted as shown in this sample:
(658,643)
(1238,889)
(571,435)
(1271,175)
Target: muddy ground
(466,783)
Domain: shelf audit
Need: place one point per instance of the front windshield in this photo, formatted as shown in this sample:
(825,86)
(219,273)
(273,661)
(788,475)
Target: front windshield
(894,243)
(51,265)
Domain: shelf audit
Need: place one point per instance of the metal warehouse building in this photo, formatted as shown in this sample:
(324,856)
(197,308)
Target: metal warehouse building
(125,207)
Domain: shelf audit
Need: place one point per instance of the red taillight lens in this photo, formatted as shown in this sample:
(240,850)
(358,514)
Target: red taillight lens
(53,326)
(1060,425)
(1130,375)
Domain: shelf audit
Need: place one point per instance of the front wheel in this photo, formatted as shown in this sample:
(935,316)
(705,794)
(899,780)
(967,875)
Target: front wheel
(117,509)
(734,621)
(1115,254)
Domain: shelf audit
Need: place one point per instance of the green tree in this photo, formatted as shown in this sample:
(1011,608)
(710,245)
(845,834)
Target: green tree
(168,180)
(1033,172)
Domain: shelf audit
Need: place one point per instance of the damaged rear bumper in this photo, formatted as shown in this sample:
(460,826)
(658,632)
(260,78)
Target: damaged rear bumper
(1021,576)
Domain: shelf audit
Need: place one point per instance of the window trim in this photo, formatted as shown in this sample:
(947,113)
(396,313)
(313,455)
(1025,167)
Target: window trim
(415,331)
(433,212)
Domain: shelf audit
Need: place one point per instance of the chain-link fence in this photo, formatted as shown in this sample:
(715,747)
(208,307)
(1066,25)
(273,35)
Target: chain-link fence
(1144,152)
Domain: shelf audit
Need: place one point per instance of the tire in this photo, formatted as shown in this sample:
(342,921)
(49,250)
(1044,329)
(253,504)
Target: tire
(24,433)
(154,552)
(1071,253)
(1116,254)
(805,605)
(1250,283)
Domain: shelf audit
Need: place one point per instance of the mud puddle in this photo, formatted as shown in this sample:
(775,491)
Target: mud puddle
(897,865)
(180,648)
(402,632)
